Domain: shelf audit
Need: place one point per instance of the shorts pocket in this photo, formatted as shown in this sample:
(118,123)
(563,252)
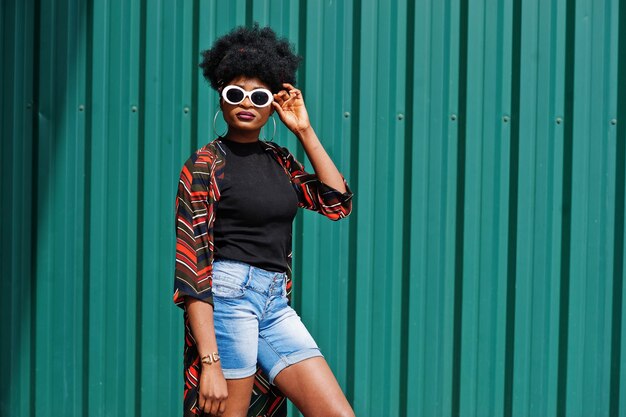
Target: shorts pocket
(228,284)
(227,290)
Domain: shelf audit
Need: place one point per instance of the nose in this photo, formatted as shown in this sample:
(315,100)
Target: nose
(246,102)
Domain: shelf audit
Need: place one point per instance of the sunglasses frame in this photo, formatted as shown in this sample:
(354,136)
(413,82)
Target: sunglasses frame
(246,94)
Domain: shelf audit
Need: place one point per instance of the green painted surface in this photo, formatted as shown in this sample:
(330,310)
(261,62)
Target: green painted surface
(481,272)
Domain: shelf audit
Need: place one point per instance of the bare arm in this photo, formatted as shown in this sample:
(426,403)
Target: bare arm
(212,391)
(290,107)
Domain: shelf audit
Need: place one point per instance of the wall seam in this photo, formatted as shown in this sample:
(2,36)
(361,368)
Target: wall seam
(87,205)
(618,245)
(354,177)
(140,205)
(568,133)
(513,214)
(406,220)
(34,211)
(460,210)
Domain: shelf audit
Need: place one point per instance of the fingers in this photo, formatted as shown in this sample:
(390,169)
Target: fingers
(278,107)
(201,403)
(283,96)
(212,406)
(215,406)
(280,97)
(289,93)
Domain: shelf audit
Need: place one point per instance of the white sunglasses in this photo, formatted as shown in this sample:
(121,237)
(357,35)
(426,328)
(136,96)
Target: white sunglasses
(259,97)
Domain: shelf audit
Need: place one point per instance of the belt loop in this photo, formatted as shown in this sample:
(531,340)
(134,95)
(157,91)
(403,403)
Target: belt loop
(247,284)
(284,284)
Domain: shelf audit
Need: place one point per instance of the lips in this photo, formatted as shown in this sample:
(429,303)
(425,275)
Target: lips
(245,116)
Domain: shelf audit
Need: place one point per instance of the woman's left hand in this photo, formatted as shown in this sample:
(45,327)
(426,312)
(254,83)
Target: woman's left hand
(290,107)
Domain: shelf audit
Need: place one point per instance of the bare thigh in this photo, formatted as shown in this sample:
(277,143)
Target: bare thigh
(312,387)
(239,393)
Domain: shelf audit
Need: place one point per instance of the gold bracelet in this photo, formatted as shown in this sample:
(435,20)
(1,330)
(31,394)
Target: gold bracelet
(210,358)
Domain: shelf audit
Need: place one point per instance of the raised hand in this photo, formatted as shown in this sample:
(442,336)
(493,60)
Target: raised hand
(290,107)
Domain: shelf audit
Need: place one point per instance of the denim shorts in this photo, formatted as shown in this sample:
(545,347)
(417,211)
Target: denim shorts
(253,322)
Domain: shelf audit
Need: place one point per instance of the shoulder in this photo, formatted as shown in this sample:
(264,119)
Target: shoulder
(286,158)
(201,165)
(273,147)
(204,158)
(280,152)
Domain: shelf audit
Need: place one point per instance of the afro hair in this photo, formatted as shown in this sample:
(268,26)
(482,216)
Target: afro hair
(250,52)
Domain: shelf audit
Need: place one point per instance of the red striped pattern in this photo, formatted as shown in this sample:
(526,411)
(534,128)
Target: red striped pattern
(198,191)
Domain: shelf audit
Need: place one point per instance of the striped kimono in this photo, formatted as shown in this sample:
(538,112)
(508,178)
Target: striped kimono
(196,207)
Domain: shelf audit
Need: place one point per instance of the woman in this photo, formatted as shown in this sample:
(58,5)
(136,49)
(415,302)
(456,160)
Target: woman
(237,198)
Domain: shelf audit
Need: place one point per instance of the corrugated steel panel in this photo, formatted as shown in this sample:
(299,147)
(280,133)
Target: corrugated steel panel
(481,272)
(17,195)
(433,126)
(536,291)
(61,219)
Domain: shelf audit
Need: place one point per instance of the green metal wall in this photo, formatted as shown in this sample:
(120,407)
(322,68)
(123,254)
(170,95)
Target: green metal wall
(480,274)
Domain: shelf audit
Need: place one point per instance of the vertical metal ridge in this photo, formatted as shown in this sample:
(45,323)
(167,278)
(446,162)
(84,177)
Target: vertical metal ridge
(618,243)
(249,18)
(509,368)
(568,135)
(87,204)
(18,160)
(194,79)
(8,35)
(354,179)
(299,223)
(407,199)
(460,210)
(140,206)
(138,354)
(5,32)
(35,207)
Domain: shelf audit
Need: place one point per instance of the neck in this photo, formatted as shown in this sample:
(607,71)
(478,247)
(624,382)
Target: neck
(242,136)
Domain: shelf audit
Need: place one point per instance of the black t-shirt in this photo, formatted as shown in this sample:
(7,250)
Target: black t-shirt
(256,208)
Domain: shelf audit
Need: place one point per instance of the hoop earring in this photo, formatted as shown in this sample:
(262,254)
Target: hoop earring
(274,134)
(214,121)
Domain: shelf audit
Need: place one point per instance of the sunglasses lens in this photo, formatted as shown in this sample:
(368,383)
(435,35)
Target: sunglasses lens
(234,95)
(260,98)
